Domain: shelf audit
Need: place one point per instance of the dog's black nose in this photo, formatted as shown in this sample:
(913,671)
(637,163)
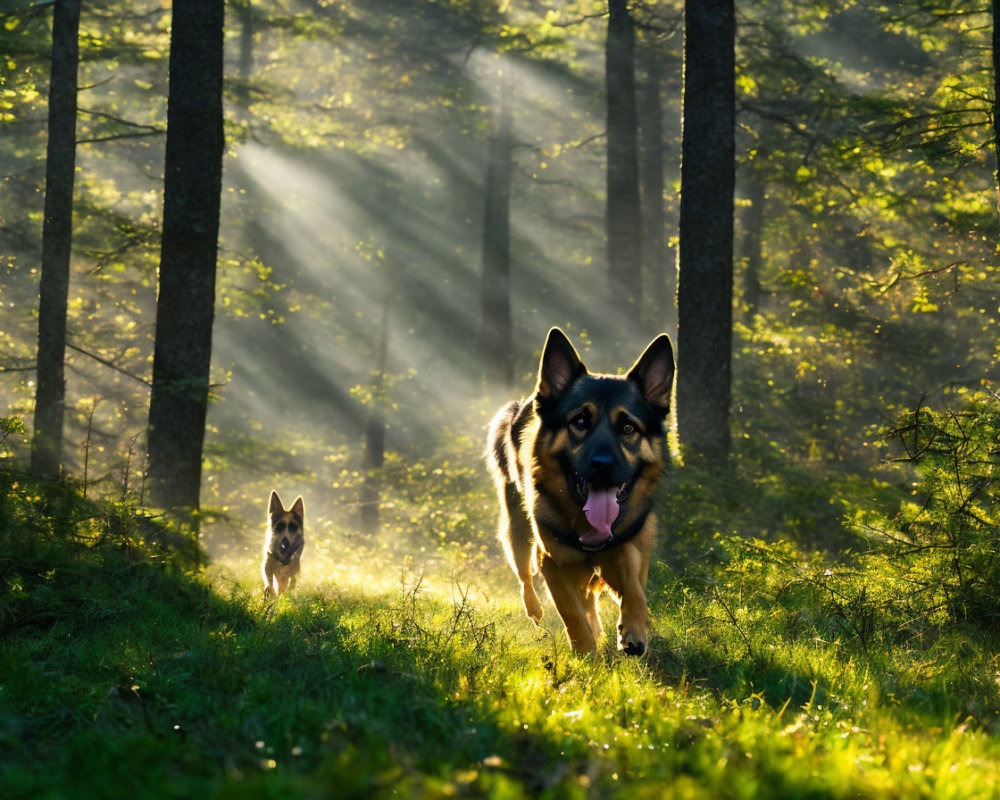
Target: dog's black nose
(601,463)
(285,544)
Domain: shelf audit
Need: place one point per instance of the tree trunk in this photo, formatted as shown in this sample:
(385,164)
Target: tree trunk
(995,9)
(57,238)
(624,257)
(245,10)
(186,301)
(654,245)
(753,248)
(705,275)
(375,429)
(495,337)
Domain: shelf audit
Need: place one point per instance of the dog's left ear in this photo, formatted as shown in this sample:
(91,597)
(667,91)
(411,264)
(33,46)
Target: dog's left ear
(653,373)
(296,508)
(274,506)
(559,367)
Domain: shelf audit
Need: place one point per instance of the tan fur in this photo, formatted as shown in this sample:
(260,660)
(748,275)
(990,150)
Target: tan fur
(538,505)
(576,579)
(280,572)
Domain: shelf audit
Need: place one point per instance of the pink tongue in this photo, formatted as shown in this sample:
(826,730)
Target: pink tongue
(601,510)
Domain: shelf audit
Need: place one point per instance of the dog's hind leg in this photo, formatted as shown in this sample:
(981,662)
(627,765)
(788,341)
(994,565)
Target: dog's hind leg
(518,540)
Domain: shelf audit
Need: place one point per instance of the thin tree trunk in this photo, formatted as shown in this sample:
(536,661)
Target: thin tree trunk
(245,11)
(186,302)
(995,9)
(753,248)
(623,223)
(495,338)
(375,430)
(57,239)
(705,276)
(654,245)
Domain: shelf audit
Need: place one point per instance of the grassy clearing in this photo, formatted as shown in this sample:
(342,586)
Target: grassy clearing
(123,673)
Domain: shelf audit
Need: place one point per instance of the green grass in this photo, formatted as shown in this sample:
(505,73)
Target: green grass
(124,673)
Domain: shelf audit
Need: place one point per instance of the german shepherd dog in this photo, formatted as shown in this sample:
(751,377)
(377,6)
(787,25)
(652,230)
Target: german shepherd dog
(283,544)
(575,467)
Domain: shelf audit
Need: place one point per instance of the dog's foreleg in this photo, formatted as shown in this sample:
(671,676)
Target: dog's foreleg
(267,572)
(569,589)
(625,575)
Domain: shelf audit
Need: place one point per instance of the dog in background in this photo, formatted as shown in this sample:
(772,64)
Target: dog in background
(283,544)
(575,466)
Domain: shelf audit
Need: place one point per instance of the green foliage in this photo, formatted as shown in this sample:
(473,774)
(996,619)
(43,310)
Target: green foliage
(121,676)
(9,426)
(938,557)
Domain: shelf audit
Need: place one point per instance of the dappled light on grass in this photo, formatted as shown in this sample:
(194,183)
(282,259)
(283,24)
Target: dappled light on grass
(380,680)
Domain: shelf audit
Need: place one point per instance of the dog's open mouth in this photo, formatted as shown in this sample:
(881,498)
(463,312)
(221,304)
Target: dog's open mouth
(601,506)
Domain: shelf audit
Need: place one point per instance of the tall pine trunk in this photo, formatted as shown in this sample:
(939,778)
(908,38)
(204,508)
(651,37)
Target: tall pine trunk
(244,9)
(495,334)
(186,302)
(654,246)
(375,429)
(705,274)
(995,11)
(753,245)
(57,239)
(623,223)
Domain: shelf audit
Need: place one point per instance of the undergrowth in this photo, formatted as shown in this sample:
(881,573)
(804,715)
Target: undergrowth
(774,670)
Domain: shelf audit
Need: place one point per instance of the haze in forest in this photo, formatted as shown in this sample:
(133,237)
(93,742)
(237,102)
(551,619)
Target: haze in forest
(352,213)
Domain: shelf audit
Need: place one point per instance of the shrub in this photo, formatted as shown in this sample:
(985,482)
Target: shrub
(941,550)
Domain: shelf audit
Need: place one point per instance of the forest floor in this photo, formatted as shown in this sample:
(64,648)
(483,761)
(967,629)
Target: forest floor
(124,673)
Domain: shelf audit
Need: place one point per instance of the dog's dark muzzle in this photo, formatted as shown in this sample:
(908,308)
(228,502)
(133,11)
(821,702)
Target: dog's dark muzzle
(286,550)
(579,485)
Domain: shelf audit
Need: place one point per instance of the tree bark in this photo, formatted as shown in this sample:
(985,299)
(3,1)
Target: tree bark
(245,10)
(375,429)
(623,223)
(186,302)
(753,248)
(995,11)
(654,245)
(57,239)
(705,276)
(496,338)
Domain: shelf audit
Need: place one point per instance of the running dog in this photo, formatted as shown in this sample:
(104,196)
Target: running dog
(575,466)
(283,545)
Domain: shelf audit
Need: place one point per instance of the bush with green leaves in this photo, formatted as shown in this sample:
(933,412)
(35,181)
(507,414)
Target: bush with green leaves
(938,558)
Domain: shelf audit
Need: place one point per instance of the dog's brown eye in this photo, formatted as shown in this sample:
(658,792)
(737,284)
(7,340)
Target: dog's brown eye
(292,527)
(627,429)
(280,527)
(579,422)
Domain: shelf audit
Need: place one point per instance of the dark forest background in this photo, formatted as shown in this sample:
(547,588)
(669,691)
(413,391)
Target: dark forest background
(413,193)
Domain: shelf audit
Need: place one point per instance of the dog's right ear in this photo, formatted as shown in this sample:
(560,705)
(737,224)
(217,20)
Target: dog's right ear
(274,506)
(559,367)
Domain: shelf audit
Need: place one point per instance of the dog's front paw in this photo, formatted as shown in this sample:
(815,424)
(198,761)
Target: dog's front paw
(634,648)
(532,607)
(632,643)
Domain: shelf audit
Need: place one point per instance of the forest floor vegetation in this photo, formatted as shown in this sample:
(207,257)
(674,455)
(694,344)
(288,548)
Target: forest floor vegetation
(131,669)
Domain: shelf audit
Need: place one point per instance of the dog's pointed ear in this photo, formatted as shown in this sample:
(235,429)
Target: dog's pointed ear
(274,505)
(559,367)
(653,373)
(296,508)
